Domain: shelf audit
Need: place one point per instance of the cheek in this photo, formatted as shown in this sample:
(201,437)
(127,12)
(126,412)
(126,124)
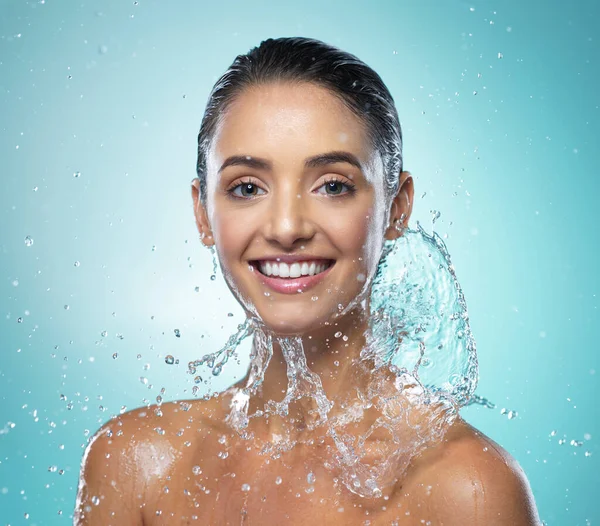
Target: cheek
(353,233)
(232,237)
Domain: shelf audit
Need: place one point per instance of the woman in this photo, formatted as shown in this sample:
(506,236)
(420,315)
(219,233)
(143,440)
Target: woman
(300,184)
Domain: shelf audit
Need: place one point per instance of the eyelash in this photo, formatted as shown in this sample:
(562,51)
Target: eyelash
(351,187)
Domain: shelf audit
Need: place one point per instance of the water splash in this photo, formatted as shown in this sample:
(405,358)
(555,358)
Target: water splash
(420,361)
(420,320)
(217,360)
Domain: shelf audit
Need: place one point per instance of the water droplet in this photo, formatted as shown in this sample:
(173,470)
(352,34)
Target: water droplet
(66,307)
(310,478)
(315,298)
(500,55)
(153,248)
(169,359)
(246,488)
(115,356)
(213,277)
(95,500)
(177,333)
(338,334)
(28,241)
(76,264)
(278,481)
(76,174)
(196,470)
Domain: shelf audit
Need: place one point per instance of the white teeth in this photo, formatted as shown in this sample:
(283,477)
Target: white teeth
(284,270)
(295,270)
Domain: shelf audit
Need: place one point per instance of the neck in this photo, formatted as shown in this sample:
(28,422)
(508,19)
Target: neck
(332,354)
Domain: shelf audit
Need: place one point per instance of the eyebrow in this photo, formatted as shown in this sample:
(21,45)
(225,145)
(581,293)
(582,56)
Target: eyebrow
(315,161)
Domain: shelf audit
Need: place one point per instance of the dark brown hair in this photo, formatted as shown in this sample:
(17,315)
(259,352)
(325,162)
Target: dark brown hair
(299,59)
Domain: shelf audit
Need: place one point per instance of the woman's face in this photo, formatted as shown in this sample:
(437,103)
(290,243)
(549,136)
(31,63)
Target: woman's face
(280,202)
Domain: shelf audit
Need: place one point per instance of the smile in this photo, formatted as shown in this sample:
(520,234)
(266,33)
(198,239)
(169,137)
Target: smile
(293,270)
(293,276)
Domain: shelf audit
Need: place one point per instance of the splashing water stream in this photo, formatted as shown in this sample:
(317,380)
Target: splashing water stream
(420,360)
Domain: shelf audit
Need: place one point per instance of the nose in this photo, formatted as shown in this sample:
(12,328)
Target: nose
(288,222)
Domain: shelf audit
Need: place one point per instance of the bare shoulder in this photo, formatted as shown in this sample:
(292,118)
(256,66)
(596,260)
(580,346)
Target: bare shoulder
(470,479)
(130,453)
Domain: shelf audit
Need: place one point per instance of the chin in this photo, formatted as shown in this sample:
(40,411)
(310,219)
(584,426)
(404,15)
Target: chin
(293,322)
(288,327)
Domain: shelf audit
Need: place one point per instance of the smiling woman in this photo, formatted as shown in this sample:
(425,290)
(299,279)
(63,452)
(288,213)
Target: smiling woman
(300,186)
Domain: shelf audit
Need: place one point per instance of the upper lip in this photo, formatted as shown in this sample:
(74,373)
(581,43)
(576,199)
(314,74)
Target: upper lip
(292,258)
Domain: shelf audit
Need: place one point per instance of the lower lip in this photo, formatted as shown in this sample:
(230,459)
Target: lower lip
(292,285)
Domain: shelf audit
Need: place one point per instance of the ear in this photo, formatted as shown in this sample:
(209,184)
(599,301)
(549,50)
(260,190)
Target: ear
(401,207)
(201,215)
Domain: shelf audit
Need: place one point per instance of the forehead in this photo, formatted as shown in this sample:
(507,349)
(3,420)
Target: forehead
(287,122)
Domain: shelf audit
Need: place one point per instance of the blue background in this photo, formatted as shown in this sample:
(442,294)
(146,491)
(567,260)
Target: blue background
(499,107)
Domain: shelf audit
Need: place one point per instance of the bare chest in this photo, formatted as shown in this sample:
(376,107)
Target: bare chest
(242,489)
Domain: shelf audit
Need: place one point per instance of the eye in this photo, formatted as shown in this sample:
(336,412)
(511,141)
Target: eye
(245,190)
(336,187)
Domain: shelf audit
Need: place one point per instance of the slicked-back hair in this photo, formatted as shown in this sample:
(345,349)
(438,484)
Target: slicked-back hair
(299,59)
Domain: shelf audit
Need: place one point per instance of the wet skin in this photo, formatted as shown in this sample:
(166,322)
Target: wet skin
(144,477)
(140,467)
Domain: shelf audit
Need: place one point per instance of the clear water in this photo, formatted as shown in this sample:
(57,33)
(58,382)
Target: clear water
(420,359)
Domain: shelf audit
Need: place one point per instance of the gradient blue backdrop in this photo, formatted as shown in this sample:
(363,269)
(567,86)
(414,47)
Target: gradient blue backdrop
(499,106)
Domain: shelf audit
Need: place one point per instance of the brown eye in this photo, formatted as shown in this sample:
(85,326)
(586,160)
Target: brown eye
(334,188)
(245,190)
(248,189)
